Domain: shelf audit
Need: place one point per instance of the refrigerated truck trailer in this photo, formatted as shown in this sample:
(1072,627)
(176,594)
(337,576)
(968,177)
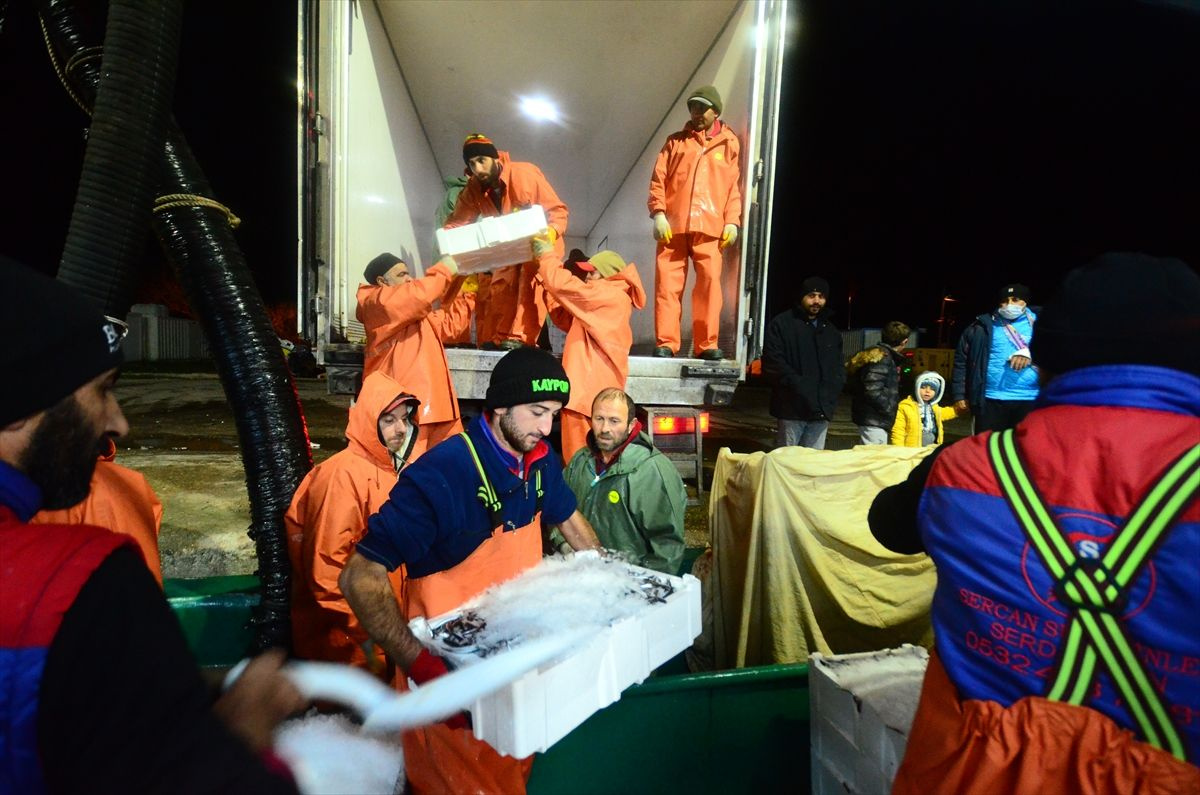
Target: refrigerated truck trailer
(588,90)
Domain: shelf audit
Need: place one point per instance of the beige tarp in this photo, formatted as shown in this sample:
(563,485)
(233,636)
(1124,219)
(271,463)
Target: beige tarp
(796,569)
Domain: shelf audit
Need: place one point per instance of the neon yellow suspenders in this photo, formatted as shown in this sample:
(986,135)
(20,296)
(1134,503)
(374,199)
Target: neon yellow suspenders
(1095,591)
(487,493)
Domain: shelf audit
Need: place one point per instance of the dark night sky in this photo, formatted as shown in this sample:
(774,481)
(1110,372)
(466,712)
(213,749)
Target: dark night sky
(927,147)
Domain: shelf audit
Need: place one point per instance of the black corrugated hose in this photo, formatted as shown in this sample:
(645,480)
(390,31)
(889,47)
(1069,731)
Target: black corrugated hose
(196,234)
(121,164)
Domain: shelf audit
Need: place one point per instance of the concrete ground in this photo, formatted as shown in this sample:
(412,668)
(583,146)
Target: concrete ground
(183,439)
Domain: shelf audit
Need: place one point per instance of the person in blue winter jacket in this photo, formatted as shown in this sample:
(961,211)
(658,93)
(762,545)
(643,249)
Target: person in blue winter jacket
(994,374)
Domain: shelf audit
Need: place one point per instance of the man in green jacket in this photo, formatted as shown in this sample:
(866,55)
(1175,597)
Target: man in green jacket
(630,492)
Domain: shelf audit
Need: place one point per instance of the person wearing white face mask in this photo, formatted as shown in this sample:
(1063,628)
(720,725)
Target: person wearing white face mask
(994,375)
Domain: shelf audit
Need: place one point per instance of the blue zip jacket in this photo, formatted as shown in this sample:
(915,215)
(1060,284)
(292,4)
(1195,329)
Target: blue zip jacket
(433,519)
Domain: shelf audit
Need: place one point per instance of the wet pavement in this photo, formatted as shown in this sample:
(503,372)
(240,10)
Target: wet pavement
(184,440)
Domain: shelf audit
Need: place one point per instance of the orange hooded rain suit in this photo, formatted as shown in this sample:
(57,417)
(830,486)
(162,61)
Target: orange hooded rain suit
(404,340)
(595,315)
(697,183)
(327,517)
(515,303)
(120,500)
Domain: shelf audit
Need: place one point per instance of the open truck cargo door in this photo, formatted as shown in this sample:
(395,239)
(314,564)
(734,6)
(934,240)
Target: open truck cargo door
(388,91)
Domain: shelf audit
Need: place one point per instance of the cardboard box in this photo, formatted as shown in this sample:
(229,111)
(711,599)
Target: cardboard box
(493,242)
(543,706)
(861,712)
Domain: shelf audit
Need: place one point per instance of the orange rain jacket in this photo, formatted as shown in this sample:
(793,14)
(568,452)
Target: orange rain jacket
(697,182)
(524,184)
(515,306)
(120,500)
(595,316)
(404,336)
(327,517)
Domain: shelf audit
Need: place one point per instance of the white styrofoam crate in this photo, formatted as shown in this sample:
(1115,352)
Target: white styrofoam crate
(493,242)
(543,706)
(861,711)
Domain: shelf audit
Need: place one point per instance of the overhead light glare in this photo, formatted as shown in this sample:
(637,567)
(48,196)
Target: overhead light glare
(539,109)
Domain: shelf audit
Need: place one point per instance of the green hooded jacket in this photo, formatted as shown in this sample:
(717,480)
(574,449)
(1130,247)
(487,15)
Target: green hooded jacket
(636,506)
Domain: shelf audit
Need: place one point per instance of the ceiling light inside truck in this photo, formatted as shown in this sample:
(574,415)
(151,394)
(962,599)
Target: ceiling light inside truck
(539,109)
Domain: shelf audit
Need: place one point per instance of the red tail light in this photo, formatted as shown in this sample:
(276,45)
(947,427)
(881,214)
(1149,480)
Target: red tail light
(666,425)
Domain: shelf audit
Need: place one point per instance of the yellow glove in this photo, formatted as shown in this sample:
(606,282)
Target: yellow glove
(662,228)
(543,243)
(728,237)
(551,235)
(470,284)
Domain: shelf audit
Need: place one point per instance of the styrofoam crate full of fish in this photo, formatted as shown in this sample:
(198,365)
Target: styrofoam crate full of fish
(629,619)
(493,242)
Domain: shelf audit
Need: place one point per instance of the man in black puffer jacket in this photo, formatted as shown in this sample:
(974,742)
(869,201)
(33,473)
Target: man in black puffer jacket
(874,376)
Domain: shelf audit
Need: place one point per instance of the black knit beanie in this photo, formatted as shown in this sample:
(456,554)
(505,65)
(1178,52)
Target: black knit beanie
(379,266)
(1018,291)
(814,284)
(477,145)
(56,342)
(527,375)
(1122,308)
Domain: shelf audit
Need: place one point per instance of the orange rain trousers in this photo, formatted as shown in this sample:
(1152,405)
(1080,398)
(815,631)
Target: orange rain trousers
(120,500)
(1033,746)
(517,307)
(404,340)
(670,277)
(440,760)
(327,517)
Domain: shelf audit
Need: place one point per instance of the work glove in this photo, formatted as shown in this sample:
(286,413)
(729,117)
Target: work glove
(543,243)
(728,237)
(471,284)
(428,667)
(450,264)
(662,228)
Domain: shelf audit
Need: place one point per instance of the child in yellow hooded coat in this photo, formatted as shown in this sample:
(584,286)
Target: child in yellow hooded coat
(919,418)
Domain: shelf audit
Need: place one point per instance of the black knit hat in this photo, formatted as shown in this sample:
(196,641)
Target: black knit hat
(1017,291)
(477,145)
(1122,309)
(814,284)
(709,96)
(527,375)
(56,342)
(379,266)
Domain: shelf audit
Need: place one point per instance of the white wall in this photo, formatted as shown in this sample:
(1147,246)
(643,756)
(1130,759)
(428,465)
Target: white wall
(626,222)
(387,182)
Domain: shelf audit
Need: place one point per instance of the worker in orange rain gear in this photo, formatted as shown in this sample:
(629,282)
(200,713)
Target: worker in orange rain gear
(120,500)
(696,204)
(405,333)
(592,300)
(500,185)
(328,516)
(465,517)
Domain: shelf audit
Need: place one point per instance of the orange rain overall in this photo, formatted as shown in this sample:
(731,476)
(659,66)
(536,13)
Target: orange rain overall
(448,761)
(404,336)
(696,183)
(595,315)
(120,500)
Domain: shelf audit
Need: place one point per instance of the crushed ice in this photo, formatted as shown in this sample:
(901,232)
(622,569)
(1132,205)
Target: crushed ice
(328,755)
(559,593)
